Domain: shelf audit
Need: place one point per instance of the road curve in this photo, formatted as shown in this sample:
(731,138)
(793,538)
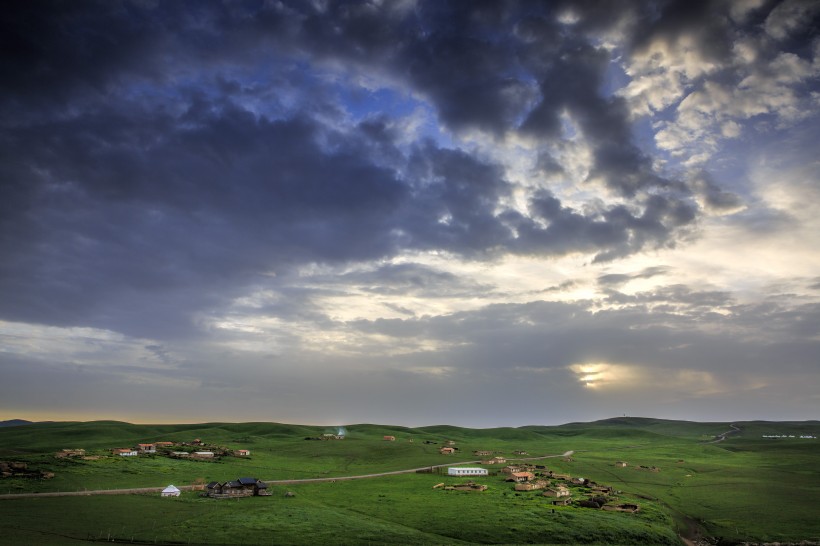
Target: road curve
(139,490)
(722,436)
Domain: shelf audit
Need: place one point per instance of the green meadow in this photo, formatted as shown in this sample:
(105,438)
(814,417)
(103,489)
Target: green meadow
(745,488)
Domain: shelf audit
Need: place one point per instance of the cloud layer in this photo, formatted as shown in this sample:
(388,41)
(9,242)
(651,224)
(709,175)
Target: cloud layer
(424,194)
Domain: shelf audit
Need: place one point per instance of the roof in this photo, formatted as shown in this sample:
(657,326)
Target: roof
(171,489)
(247,481)
(233,484)
(523,474)
(211,485)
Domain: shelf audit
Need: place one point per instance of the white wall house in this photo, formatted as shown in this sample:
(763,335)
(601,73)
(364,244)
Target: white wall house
(466,471)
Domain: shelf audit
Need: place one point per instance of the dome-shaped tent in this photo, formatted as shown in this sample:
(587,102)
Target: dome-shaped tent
(170,491)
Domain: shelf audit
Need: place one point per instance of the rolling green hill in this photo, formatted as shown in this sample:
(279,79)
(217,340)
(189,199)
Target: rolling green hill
(682,482)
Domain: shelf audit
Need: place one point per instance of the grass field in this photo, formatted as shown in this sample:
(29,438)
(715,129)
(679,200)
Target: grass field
(730,489)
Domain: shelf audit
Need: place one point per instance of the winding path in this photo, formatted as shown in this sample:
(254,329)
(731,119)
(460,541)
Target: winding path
(722,436)
(139,490)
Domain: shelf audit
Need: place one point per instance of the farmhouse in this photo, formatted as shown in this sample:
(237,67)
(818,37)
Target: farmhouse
(124,452)
(482,453)
(203,454)
(447,450)
(170,491)
(494,460)
(242,452)
(466,471)
(559,491)
(620,464)
(564,501)
(147,448)
(519,452)
(163,444)
(240,487)
(389,438)
(180,454)
(521,477)
(510,469)
(531,486)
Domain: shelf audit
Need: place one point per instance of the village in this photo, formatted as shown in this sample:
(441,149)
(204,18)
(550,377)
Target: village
(517,472)
(524,476)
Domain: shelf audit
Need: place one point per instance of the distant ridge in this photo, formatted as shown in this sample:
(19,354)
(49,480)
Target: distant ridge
(15,423)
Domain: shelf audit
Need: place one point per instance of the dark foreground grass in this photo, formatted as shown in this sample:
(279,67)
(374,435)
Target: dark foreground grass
(393,510)
(746,488)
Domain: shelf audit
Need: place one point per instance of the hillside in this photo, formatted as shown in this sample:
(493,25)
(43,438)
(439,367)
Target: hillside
(682,481)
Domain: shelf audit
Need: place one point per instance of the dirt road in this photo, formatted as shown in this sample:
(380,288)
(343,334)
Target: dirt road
(722,436)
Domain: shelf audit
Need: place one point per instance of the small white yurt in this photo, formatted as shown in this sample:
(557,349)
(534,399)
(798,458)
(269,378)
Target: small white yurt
(170,491)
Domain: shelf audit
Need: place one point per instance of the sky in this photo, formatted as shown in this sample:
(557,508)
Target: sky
(409,212)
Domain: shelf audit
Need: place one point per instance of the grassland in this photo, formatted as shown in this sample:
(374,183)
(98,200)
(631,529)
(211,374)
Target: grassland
(729,490)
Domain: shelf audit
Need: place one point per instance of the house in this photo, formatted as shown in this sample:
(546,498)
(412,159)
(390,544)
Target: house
(559,491)
(447,450)
(242,452)
(578,481)
(147,448)
(240,487)
(521,477)
(389,438)
(531,486)
(495,460)
(563,501)
(450,442)
(510,469)
(163,444)
(170,491)
(125,452)
(203,454)
(519,452)
(180,454)
(620,464)
(482,453)
(466,471)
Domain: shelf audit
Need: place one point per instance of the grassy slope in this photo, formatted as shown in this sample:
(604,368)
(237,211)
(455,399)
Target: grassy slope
(732,487)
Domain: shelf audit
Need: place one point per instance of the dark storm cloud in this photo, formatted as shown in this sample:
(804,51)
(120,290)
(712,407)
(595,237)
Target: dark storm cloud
(158,158)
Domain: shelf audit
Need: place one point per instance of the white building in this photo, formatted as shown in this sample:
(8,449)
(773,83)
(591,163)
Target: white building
(170,491)
(466,471)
